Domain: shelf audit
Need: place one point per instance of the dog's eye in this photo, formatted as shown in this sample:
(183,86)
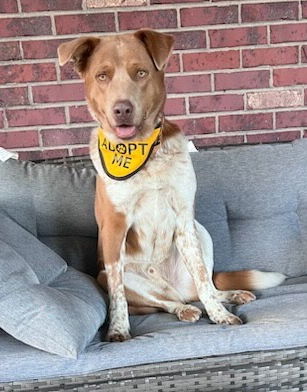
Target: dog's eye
(102,77)
(141,73)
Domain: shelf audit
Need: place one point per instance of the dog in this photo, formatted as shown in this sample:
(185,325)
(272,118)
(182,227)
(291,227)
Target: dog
(153,255)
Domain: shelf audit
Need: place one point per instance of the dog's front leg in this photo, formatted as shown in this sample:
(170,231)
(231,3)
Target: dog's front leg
(111,242)
(188,245)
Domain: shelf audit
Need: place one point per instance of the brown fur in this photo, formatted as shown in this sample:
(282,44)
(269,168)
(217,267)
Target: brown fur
(169,130)
(93,57)
(111,226)
(132,242)
(235,280)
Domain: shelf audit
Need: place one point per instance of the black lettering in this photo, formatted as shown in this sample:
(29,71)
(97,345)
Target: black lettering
(127,163)
(117,160)
(143,145)
(104,144)
(110,147)
(131,147)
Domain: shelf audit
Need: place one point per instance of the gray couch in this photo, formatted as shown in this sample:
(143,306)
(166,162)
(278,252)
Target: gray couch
(253,201)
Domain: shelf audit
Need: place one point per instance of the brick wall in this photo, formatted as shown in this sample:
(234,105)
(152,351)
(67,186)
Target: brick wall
(238,73)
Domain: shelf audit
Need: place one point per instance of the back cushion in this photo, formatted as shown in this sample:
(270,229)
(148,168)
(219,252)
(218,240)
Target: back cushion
(253,201)
(63,201)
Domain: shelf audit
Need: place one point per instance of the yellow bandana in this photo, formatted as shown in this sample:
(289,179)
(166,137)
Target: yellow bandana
(122,160)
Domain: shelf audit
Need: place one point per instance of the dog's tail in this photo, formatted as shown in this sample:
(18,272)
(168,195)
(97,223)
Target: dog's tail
(247,280)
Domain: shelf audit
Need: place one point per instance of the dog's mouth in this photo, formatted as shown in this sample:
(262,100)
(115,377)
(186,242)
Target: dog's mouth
(125,131)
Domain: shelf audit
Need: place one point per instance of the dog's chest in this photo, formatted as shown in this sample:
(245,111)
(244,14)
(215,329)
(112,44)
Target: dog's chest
(155,221)
(148,202)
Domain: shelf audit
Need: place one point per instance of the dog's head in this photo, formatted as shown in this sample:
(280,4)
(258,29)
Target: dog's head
(124,79)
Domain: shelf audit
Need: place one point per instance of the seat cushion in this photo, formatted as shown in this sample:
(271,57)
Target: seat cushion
(42,302)
(276,320)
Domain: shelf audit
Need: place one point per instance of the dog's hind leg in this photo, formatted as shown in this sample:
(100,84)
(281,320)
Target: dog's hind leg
(146,290)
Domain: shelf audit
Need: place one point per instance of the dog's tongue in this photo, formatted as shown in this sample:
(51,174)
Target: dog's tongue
(125,132)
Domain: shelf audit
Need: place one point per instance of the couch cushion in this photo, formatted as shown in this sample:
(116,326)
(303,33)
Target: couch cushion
(253,201)
(276,320)
(42,302)
(55,203)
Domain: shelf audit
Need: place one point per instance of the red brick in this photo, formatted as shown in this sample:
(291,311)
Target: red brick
(174,1)
(58,93)
(42,155)
(304,9)
(173,64)
(174,106)
(60,137)
(1,119)
(275,99)
(198,16)
(15,27)
(41,49)
(293,118)
(84,23)
(289,76)
(245,122)
(50,5)
(242,80)
(8,6)
(196,126)
(270,11)
(12,96)
(19,139)
(81,151)
(9,51)
(238,36)
(216,103)
(26,117)
(288,33)
(19,73)
(79,114)
(270,56)
(187,84)
(304,54)
(68,72)
(219,141)
(189,39)
(211,60)
(156,19)
(273,137)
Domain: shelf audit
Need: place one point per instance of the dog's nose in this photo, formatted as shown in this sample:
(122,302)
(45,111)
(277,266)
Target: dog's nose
(123,111)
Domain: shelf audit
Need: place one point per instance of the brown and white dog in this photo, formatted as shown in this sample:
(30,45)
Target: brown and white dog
(153,254)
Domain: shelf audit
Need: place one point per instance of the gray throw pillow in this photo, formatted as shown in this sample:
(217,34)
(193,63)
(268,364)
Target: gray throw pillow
(43,302)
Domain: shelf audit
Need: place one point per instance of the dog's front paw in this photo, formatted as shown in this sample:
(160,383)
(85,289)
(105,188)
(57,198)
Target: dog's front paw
(229,319)
(219,315)
(114,335)
(188,313)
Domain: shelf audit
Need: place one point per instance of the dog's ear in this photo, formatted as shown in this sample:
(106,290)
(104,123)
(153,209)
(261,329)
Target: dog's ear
(158,45)
(78,51)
